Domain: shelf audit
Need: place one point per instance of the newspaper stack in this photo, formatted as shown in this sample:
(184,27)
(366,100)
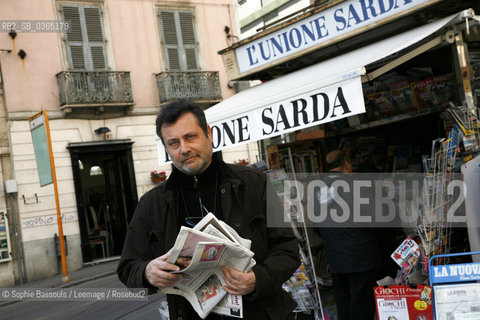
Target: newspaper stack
(200,253)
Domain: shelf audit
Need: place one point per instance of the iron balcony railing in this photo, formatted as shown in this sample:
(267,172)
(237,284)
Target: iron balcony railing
(197,86)
(90,88)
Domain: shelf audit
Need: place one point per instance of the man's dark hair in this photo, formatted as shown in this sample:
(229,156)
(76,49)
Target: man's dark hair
(174,110)
(339,161)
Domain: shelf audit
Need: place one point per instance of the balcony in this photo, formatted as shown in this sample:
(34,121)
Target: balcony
(201,87)
(94,89)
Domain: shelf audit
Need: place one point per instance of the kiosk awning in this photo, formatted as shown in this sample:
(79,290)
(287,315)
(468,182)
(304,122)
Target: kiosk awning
(325,92)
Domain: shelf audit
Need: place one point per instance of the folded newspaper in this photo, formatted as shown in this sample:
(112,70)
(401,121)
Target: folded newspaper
(200,253)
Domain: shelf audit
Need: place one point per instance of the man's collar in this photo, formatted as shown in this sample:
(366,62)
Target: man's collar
(207,176)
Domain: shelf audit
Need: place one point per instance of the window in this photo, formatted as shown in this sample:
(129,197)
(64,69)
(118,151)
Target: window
(4,238)
(85,41)
(179,40)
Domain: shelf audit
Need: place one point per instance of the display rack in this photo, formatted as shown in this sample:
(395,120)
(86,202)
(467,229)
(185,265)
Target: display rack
(440,166)
(314,301)
(434,226)
(4,238)
(304,285)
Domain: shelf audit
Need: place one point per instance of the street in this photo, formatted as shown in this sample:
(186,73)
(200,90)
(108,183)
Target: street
(43,310)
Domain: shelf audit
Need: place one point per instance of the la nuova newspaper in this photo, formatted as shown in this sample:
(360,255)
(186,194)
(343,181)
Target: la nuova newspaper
(200,253)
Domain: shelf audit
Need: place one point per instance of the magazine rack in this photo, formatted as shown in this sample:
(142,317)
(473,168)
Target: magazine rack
(440,170)
(307,298)
(434,228)
(455,287)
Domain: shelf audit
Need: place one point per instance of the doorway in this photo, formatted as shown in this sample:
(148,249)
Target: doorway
(105,190)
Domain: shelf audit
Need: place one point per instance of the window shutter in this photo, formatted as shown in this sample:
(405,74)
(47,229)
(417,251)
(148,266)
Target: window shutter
(94,24)
(179,40)
(169,32)
(188,39)
(98,57)
(173,59)
(74,37)
(191,56)
(170,40)
(96,41)
(72,16)
(78,60)
(85,40)
(186,24)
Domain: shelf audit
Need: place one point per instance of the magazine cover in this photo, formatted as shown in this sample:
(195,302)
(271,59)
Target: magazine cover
(383,103)
(434,92)
(404,99)
(442,90)
(421,90)
(404,302)
(407,254)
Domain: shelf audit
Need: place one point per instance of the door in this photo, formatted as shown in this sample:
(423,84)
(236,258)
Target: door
(106,195)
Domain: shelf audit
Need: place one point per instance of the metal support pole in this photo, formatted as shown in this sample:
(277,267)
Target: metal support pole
(65,277)
(463,71)
(17,244)
(47,142)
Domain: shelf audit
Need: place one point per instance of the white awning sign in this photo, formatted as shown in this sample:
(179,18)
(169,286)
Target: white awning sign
(333,102)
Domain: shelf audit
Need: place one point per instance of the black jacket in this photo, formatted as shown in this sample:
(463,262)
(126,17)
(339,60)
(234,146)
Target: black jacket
(155,225)
(350,249)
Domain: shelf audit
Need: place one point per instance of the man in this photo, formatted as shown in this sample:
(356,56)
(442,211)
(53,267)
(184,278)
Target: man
(354,254)
(200,183)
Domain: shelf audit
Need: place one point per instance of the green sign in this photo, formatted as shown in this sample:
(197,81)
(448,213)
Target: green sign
(42,152)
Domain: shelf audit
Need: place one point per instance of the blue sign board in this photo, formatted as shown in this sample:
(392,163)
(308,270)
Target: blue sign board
(455,273)
(42,149)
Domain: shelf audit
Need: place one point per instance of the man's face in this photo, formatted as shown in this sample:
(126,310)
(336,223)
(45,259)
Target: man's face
(187,145)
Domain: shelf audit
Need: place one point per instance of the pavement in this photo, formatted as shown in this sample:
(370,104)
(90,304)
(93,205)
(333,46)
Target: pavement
(97,274)
(91,271)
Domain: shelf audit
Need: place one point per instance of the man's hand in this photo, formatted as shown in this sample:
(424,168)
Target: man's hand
(239,282)
(157,272)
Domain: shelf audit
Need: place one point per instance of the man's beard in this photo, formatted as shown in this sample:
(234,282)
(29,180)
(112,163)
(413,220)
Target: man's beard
(193,171)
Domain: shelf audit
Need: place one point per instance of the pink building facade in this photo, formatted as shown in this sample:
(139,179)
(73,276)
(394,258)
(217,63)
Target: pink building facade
(101,80)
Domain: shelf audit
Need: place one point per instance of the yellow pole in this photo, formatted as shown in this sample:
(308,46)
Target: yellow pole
(65,277)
